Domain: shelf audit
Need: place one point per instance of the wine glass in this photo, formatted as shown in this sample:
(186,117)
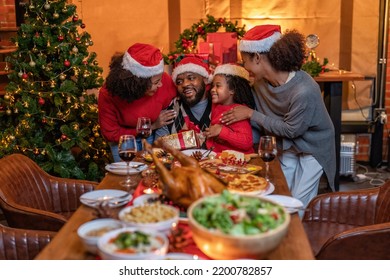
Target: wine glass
(127,148)
(267,151)
(144,130)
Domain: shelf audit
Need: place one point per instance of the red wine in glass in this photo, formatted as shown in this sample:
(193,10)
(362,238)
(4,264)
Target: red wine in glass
(267,151)
(267,157)
(144,130)
(127,155)
(127,149)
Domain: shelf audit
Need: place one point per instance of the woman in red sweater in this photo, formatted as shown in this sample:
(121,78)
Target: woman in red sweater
(136,86)
(230,88)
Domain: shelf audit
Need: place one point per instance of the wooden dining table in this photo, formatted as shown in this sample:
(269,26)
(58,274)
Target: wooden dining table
(66,245)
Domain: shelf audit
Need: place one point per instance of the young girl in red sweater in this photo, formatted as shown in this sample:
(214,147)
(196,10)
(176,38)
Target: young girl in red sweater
(230,88)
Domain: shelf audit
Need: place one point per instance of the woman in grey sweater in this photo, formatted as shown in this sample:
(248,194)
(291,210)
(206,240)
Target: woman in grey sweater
(290,107)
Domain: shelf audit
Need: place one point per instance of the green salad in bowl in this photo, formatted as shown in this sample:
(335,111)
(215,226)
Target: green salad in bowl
(238,215)
(233,226)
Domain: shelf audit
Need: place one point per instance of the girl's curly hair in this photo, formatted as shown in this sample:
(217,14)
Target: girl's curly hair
(242,90)
(121,82)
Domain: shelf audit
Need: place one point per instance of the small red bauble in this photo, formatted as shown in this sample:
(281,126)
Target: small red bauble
(85,62)
(60,38)
(64,137)
(75,18)
(24,76)
(82,25)
(41,101)
(77,39)
(67,63)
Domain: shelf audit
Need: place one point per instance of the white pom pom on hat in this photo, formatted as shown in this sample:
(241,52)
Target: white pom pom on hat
(143,60)
(232,69)
(192,64)
(260,38)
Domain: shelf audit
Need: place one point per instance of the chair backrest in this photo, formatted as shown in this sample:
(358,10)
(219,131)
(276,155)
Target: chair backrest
(22,244)
(23,182)
(382,214)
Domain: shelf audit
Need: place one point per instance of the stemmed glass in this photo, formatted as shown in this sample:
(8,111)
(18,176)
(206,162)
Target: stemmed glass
(267,151)
(127,148)
(144,130)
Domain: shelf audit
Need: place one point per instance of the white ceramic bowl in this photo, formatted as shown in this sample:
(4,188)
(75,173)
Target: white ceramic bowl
(91,231)
(149,216)
(109,251)
(223,246)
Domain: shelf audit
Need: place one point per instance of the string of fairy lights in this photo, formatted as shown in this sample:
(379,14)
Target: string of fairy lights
(48,88)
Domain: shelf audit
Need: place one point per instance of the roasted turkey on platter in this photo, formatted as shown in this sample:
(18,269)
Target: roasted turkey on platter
(187,183)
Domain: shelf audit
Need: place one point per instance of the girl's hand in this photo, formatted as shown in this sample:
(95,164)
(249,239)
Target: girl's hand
(236,114)
(166,117)
(213,131)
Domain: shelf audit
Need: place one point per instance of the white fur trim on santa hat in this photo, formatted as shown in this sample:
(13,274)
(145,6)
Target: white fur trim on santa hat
(190,67)
(231,69)
(259,46)
(140,70)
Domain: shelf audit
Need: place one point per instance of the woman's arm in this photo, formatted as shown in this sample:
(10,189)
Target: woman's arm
(236,114)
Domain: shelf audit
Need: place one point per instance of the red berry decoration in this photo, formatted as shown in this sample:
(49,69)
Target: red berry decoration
(60,38)
(41,101)
(67,63)
(64,137)
(77,39)
(75,18)
(24,76)
(82,25)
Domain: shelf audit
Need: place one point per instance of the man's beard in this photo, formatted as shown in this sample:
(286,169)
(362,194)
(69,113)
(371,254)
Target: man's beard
(199,93)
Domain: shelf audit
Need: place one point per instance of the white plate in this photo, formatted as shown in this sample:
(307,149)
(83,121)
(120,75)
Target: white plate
(190,151)
(120,168)
(115,198)
(289,202)
(142,199)
(181,256)
(269,190)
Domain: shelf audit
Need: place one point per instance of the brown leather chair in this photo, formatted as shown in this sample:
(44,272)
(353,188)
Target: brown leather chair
(32,199)
(22,244)
(350,225)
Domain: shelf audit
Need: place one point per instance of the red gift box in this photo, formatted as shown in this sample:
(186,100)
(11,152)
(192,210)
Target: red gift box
(224,46)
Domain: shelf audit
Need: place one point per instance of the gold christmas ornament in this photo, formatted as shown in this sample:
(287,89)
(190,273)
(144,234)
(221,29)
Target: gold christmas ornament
(62,77)
(8,112)
(32,63)
(11,137)
(56,15)
(76,126)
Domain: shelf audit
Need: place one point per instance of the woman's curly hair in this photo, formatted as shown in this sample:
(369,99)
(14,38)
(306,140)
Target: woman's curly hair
(121,82)
(242,90)
(288,53)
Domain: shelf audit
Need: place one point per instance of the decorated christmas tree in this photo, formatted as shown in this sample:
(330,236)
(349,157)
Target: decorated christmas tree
(49,113)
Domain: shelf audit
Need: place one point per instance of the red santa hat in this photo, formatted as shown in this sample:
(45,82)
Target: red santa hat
(232,69)
(143,60)
(260,38)
(192,64)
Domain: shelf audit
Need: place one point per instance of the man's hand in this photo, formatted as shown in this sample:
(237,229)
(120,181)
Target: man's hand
(236,114)
(166,117)
(213,131)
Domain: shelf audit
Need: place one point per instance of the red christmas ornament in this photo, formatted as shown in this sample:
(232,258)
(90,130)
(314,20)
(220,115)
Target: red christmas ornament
(85,62)
(37,34)
(82,25)
(24,76)
(44,120)
(67,63)
(221,20)
(200,30)
(64,137)
(60,38)
(41,101)
(77,39)
(75,18)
